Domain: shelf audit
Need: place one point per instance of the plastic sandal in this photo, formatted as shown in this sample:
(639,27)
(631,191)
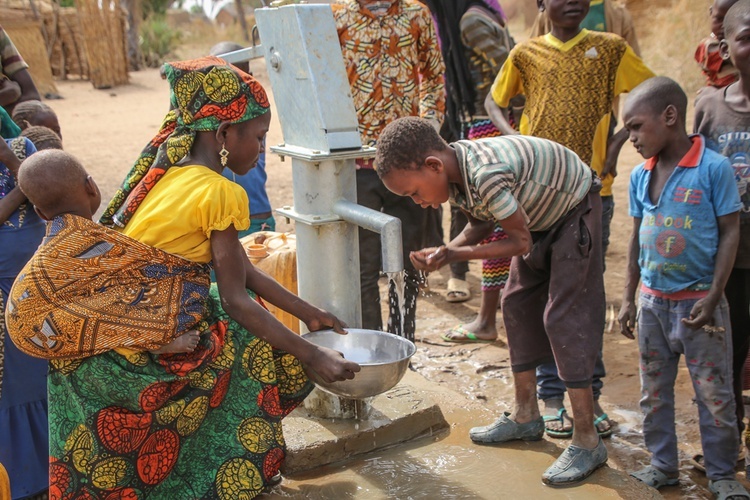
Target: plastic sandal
(727,488)
(654,477)
(560,417)
(458,291)
(598,420)
(575,464)
(504,429)
(461,335)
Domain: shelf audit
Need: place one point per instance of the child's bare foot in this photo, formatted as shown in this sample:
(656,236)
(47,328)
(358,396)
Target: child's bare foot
(557,422)
(187,342)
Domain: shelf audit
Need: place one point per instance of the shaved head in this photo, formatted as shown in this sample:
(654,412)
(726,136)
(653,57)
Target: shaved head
(51,178)
(657,93)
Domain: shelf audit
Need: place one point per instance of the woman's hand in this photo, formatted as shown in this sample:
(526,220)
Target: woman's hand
(321,320)
(9,158)
(329,365)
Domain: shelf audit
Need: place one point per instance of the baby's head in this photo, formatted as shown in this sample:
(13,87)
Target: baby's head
(56,183)
(42,137)
(28,113)
(409,160)
(654,115)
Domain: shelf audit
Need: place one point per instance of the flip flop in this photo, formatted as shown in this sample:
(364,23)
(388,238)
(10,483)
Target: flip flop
(601,418)
(727,488)
(655,478)
(560,417)
(697,461)
(466,337)
(458,291)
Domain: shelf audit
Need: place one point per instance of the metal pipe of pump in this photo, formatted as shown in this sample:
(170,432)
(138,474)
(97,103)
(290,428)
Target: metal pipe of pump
(388,227)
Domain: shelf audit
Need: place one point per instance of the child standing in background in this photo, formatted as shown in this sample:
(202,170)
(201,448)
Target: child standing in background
(717,68)
(722,115)
(685,210)
(475,43)
(254,182)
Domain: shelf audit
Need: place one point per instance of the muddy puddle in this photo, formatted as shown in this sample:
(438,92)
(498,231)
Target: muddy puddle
(449,466)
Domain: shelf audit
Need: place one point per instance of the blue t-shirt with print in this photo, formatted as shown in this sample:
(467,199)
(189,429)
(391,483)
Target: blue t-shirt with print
(679,234)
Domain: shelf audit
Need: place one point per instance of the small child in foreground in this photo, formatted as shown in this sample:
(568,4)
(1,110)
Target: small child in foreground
(547,201)
(56,183)
(685,210)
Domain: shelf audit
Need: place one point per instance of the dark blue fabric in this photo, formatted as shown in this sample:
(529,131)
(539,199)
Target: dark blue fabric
(24,448)
(254,183)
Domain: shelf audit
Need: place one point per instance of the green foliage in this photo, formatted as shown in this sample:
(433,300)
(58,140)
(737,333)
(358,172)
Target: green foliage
(67,3)
(155,7)
(158,39)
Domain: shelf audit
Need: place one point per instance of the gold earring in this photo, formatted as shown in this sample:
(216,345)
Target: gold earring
(224,154)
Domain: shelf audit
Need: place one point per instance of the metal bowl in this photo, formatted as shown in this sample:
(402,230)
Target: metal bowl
(383,357)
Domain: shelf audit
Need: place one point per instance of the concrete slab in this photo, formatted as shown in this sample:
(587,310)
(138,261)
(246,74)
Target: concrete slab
(398,416)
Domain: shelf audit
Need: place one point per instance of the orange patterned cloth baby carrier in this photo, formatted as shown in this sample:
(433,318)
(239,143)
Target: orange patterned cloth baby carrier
(89,289)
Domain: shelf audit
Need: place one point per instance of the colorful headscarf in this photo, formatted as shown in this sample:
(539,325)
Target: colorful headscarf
(203,93)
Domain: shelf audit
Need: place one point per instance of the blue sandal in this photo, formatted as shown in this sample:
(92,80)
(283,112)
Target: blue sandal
(598,420)
(560,417)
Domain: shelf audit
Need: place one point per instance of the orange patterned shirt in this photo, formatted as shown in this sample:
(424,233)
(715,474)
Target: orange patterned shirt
(393,62)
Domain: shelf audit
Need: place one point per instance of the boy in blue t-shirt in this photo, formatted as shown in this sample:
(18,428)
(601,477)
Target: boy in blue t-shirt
(685,209)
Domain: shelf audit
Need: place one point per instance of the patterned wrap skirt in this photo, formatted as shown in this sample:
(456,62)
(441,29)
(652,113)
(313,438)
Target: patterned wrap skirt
(132,424)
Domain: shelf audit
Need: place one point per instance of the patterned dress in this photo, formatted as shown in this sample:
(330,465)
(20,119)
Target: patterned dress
(205,424)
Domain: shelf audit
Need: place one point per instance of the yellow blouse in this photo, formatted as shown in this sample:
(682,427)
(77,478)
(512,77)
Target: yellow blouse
(182,209)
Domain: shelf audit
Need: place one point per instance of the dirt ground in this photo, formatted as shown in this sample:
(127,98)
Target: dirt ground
(106,129)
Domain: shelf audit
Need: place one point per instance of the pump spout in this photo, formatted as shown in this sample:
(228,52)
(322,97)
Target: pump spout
(389,228)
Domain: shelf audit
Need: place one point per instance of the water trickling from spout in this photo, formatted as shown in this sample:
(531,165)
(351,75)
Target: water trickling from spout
(398,281)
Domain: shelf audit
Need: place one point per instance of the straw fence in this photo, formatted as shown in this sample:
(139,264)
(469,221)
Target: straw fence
(104,35)
(27,36)
(87,41)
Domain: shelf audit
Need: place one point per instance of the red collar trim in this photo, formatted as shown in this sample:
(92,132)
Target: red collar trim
(690,160)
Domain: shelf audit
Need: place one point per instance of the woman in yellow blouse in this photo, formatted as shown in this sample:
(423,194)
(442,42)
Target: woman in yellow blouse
(205,423)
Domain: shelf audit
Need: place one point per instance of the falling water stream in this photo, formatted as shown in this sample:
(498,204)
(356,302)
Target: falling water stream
(397,280)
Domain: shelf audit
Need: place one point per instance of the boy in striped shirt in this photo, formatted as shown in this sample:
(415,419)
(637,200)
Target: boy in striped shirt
(547,201)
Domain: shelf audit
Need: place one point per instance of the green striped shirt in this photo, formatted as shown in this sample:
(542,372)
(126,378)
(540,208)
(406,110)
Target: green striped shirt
(502,174)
